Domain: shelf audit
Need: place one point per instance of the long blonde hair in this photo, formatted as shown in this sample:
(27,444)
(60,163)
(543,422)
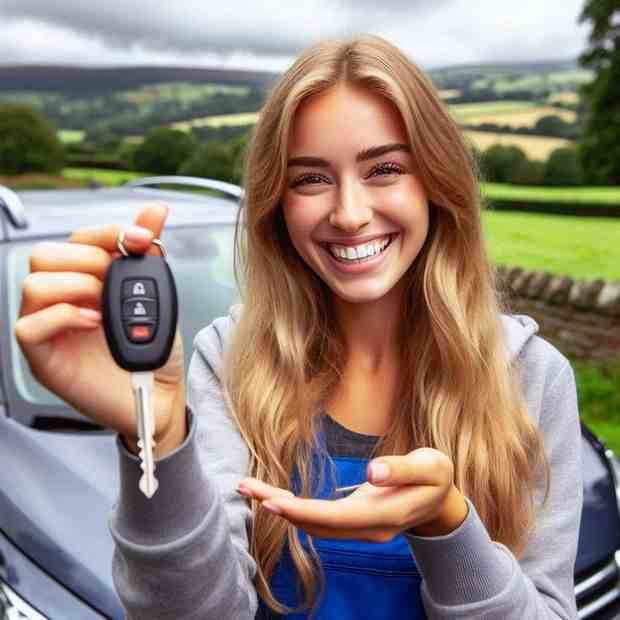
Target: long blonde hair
(458,391)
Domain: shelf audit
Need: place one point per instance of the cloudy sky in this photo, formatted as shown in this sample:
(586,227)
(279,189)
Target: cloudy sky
(268,34)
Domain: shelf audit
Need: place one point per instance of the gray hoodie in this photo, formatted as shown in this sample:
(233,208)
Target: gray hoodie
(183,554)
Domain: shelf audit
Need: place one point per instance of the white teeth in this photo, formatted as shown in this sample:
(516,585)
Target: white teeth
(360,251)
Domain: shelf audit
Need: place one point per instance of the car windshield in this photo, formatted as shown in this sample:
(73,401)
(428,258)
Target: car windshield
(201,260)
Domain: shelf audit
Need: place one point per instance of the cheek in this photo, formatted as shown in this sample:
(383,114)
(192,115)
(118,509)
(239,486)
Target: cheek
(302,216)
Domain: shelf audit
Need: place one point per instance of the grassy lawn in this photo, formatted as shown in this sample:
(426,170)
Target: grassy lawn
(599,400)
(581,247)
(105,177)
(603,195)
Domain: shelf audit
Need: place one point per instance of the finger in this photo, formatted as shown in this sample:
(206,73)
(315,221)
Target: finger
(261,490)
(41,290)
(150,218)
(421,466)
(60,256)
(43,325)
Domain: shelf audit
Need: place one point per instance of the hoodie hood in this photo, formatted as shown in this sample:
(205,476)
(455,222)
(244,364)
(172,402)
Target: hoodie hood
(518,331)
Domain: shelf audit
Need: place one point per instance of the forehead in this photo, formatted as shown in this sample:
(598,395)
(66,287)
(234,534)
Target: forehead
(345,116)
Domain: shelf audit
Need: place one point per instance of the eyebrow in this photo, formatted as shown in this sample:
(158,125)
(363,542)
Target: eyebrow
(370,153)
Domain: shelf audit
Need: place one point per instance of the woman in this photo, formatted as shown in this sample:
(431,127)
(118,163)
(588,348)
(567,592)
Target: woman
(370,334)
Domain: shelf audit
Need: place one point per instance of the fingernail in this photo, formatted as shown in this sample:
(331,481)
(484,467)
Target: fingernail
(272,507)
(93,315)
(379,472)
(137,234)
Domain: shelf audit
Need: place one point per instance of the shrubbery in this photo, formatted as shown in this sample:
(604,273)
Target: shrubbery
(509,164)
(28,142)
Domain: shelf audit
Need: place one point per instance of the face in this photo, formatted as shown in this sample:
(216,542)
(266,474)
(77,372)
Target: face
(346,194)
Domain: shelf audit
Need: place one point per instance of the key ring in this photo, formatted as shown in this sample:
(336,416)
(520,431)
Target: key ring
(123,251)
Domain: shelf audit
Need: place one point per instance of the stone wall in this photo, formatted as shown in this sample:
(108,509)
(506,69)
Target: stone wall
(579,317)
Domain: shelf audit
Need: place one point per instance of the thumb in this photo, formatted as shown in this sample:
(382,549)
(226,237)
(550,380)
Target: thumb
(153,218)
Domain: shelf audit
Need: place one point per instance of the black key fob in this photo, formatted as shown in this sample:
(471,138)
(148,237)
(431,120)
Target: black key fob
(139,310)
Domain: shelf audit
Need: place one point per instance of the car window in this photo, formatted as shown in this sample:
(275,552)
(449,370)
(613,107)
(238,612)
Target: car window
(201,260)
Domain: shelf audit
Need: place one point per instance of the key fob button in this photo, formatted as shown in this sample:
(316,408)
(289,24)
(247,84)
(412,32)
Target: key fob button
(142,287)
(140,332)
(141,307)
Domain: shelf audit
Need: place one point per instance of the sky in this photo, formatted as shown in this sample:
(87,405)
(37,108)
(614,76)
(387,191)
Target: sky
(268,34)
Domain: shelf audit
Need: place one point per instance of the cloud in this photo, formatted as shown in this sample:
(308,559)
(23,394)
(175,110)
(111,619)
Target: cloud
(270,34)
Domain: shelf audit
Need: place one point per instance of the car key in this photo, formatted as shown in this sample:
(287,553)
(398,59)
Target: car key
(139,310)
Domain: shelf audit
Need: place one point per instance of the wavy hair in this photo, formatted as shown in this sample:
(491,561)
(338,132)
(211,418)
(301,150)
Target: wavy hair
(457,391)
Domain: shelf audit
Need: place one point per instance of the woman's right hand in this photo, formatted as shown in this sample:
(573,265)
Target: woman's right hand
(68,352)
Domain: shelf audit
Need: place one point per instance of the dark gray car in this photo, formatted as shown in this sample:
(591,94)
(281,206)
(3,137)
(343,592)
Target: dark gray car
(58,471)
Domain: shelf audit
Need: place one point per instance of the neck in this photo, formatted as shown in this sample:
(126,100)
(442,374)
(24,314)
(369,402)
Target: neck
(371,332)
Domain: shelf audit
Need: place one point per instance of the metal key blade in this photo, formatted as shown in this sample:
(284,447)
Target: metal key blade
(142,384)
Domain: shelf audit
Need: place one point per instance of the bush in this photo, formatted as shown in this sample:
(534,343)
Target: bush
(28,141)
(164,150)
(528,172)
(562,167)
(500,163)
(212,160)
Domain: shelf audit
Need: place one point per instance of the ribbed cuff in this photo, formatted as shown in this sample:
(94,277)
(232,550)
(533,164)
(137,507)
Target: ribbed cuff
(464,566)
(178,505)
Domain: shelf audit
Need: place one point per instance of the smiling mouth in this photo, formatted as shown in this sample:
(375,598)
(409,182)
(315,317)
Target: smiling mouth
(345,261)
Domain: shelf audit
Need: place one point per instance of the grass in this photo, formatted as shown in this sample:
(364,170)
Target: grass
(67,136)
(462,111)
(581,247)
(105,177)
(602,195)
(599,400)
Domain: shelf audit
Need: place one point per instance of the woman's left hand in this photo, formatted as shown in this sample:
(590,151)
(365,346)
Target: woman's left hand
(418,494)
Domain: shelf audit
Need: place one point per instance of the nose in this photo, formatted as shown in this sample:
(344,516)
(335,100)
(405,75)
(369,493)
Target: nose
(352,210)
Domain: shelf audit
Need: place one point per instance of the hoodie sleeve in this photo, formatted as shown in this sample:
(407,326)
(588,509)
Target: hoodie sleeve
(466,574)
(183,554)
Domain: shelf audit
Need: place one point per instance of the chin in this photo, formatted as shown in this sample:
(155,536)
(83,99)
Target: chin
(359,296)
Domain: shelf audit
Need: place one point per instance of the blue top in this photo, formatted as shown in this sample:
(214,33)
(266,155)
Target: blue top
(359,576)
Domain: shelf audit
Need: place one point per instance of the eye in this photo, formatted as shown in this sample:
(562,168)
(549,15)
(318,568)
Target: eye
(387,168)
(302,180)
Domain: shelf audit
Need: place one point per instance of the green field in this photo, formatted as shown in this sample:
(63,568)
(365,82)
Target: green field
(462,110)
(70,135)
(602,195)
(105,177)
(581,247)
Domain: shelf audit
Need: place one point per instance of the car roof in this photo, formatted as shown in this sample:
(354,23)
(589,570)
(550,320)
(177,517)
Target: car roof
(32,214)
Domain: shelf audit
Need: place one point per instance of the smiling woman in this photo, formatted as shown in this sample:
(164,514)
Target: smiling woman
(371,349)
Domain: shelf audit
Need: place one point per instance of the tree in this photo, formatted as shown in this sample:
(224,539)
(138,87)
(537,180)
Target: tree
(28,141)
(562,167)
(500,162)
(211,160)
(599,150)
(164,150)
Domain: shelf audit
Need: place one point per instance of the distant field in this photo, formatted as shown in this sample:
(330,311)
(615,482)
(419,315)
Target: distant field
(179,91)
(463,111)
(519,118)
(536,147)
(582,248)
(70,135)
(599,195)
(449,93)
(247,118)
(105,177)
(568,97)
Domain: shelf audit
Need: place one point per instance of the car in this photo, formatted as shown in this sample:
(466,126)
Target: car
(58,470)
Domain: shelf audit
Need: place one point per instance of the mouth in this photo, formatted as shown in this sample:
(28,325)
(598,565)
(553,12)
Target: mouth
(346,261)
